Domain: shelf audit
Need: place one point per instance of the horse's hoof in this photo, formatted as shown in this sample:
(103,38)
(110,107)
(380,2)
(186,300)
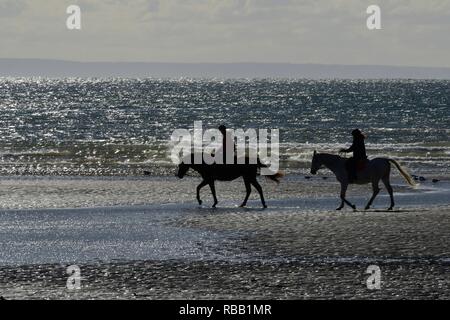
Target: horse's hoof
(390,208)
(265,206)
(339,209)
(353,207)
(242,205)
(367,208)
(214,205)
(200,202)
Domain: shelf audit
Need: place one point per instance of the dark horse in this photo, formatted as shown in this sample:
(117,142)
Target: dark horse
(227,172)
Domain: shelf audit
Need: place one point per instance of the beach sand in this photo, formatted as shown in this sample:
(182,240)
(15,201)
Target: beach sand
(146,238)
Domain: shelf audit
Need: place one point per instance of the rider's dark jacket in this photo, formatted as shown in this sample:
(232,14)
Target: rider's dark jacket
(358,148)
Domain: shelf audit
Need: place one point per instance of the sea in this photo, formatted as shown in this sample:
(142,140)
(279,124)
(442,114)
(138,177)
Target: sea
(122,127)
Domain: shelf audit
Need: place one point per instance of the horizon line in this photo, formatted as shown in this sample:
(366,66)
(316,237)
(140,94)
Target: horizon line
(228,63)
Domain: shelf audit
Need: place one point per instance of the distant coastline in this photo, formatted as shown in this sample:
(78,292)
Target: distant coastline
(62,68)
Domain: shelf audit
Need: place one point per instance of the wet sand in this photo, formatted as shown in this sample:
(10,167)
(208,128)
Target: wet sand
(34,192)
(299,248)
(225,280)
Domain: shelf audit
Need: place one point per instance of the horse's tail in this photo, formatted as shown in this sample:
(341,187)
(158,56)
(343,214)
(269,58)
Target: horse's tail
(274,177)
(403,172)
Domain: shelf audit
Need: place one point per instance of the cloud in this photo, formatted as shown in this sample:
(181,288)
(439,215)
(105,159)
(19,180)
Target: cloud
(11,8)
(321,31)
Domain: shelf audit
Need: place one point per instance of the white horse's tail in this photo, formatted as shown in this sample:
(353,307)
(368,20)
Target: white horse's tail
(403,172)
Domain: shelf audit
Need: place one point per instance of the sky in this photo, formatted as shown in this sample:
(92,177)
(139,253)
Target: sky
(414,32)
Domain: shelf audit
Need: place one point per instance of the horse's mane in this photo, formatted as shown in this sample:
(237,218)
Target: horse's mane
(190,157)
(330,155)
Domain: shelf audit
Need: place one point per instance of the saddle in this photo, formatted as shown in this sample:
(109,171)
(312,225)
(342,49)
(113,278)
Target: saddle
(353,167)
(361,165)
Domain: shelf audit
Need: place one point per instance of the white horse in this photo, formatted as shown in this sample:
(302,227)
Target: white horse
(376,170)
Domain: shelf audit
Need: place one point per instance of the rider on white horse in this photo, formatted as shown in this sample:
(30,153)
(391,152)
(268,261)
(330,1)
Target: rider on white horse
(368,171)
(359,155)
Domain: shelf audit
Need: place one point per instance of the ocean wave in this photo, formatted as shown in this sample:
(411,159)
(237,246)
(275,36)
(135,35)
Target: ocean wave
(123,126)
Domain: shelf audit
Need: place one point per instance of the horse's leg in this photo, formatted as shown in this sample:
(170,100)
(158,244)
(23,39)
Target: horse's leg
(248,189)
(389,189)
(201,185)
(213,191)
(376,190)
(343,191)
(257,186)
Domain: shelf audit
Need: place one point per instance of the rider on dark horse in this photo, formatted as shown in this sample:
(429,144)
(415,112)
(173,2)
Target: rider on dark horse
(359,155)
(226,138)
